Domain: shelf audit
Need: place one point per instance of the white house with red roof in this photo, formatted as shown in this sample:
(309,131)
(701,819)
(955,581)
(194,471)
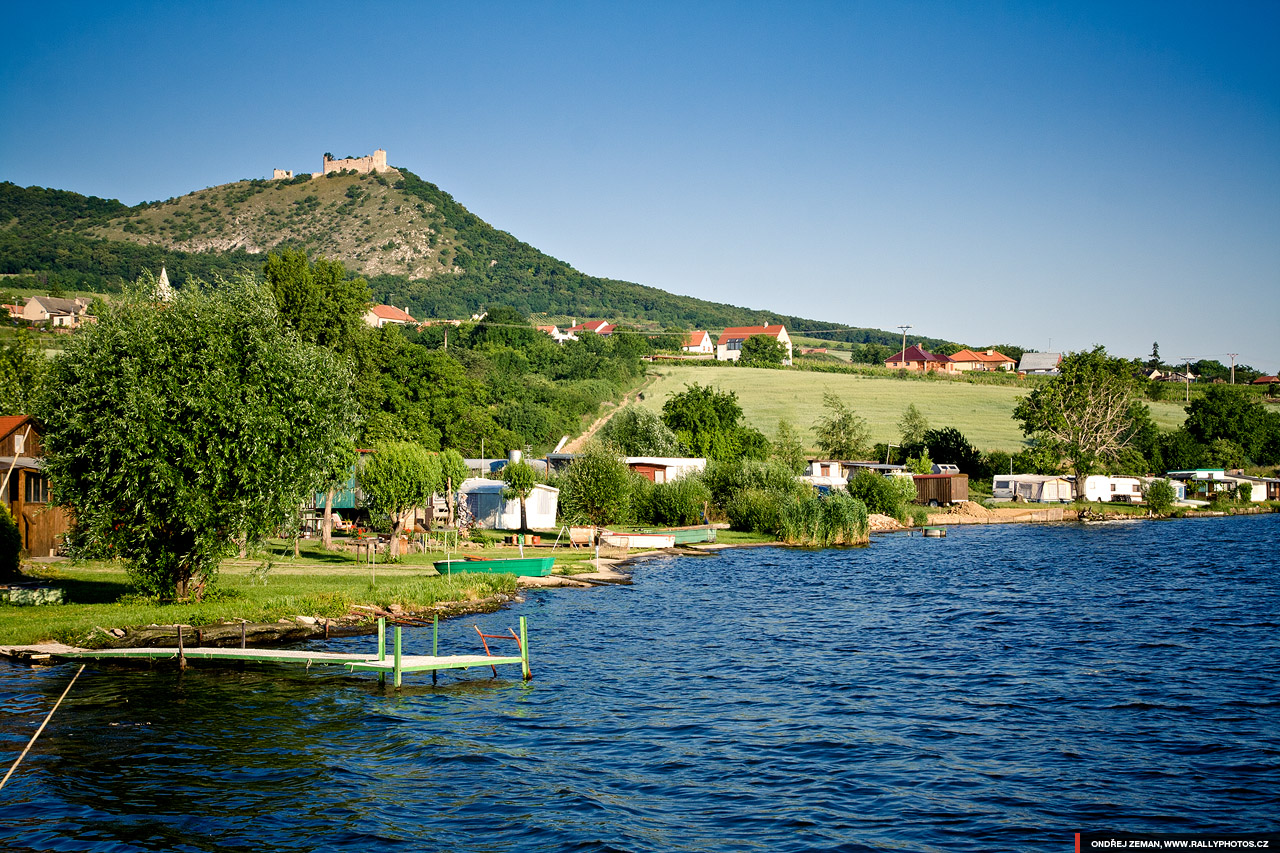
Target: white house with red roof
(967,359)
(698,341)
(729,346)
(603,328)
(557,335)
(382,315)
(917,358)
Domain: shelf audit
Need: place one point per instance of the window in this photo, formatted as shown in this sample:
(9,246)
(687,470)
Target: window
(37,489)
(19,444)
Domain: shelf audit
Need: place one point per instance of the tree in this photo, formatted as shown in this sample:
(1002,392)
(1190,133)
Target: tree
(762,351)
(948,446)
(453,470)
(1154,362)
(1225,412)
(1085,415)
(788,449)
(10,546)
(707,421)
(171,429)
(22,370)
(596,487)
(396,478)
(841,433)
(1160,496)
(641,432)
(912,426)
(520,479)
(317,300)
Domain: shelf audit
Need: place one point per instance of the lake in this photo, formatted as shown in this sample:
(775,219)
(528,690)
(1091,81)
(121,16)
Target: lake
(997,689)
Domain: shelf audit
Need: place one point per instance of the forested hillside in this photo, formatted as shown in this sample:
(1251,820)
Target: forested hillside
(413,241)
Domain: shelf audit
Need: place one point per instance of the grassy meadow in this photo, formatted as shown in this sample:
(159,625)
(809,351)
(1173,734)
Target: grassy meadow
(983,412)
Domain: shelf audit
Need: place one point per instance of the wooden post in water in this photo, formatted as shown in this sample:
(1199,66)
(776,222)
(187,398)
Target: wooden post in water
(382,646)
(182,658)
(435,641)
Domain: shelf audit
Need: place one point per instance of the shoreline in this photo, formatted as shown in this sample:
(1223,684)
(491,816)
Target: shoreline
(609,571)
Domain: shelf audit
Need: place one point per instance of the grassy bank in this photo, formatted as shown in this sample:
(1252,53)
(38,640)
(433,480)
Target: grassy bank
(983,412)
(97,594)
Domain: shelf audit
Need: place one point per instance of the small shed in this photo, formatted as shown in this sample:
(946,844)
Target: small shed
(492,511)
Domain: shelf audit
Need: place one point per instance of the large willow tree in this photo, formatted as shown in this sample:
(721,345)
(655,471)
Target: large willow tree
(173,427)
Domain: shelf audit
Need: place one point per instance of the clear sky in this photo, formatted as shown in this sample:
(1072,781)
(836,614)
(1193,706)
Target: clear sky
(1054,175)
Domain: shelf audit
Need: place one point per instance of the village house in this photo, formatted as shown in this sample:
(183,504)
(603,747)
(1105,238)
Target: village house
(917,358)
(24,487)
(698,341)
(729,346)
(59,313)
(557,335)
(1040,363)
(603,328)
(381,315)
(967,359)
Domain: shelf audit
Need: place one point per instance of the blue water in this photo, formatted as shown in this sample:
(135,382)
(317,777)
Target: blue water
(998,689)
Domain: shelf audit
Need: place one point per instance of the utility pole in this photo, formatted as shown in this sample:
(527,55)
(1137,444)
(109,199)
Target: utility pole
(1187,376)
(1233,366)
(904,343)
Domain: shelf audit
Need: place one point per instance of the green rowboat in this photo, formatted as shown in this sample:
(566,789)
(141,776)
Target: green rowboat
(525,566)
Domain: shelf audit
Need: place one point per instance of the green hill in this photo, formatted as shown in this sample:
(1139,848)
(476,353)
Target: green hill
(413,241)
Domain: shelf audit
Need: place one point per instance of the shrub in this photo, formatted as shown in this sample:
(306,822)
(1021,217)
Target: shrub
(10,544)
(678,503)
(1160,496)
(596,487)
(833,519)
(885,495)
(728,478)
(756,510)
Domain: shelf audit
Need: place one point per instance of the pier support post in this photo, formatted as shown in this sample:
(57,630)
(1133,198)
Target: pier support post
(182,658)
(397,663)
(435,641)
(382,646)
(524,649)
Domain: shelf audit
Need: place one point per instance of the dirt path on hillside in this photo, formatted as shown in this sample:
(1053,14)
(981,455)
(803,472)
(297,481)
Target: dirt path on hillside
(576,445)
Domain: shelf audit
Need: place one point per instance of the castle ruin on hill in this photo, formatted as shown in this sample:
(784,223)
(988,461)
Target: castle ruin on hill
(375,162)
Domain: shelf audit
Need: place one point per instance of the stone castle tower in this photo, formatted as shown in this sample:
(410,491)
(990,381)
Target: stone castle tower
(377,162)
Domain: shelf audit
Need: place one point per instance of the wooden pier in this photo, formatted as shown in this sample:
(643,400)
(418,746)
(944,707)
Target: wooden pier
(385,663)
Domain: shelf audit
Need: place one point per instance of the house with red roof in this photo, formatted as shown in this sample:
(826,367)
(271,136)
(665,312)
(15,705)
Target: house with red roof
(917,358)
(382,315)
(729,346)
(698,341)
(603,328)
(967,359)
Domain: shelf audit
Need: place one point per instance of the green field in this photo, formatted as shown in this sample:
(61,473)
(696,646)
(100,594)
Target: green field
(982,412)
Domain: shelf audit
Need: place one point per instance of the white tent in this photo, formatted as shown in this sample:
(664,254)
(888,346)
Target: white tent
(493,512)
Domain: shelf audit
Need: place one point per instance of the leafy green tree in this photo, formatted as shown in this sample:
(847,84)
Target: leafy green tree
(841,433)
(788,449)
(912,426)
(22,370)
(921,464)
(1160,496)
(1226,412)
(317,299)
(520,479)
(948,446)
(708,422)
(396,478)
(1181,452)
(1085,415)
(596,487)
(641,432)
(762,351)
(884,495)
(171,429)
(453,470)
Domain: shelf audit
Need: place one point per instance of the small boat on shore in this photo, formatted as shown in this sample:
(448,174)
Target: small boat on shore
(686,535)
(522,566)
(638,540)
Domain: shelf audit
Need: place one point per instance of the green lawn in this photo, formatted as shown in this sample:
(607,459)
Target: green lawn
(983,412)
(97,593)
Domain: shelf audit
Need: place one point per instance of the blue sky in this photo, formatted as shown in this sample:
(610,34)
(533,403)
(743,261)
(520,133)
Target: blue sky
(1054,175)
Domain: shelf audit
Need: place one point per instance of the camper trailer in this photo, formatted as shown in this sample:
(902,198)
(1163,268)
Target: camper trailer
(1100,487)
(1033,488)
